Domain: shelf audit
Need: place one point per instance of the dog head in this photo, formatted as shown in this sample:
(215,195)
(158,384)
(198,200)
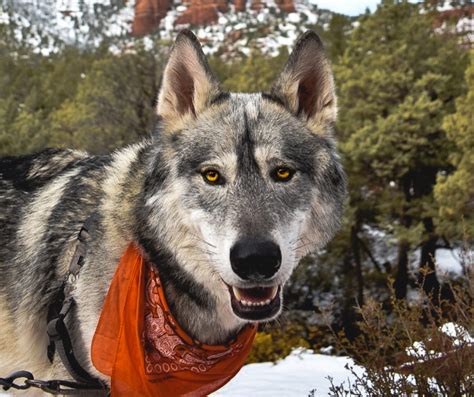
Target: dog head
(241,186)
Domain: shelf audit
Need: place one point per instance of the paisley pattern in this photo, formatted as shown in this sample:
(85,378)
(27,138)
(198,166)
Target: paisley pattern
(167,350)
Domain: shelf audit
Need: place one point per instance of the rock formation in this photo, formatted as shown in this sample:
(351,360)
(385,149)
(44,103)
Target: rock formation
(240,5)
(202,12)
(286,5)
(148,13)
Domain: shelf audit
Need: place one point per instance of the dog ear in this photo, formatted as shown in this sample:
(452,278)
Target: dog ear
(188,83)
(306,84)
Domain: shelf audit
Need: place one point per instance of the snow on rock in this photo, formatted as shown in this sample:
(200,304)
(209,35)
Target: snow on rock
(296,375)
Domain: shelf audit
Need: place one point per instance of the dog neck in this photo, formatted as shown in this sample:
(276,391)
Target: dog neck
(202,313)
(209,326)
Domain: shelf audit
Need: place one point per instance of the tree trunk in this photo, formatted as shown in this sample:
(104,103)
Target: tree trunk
(349,316)
(355,243)
(401,280)
(427,276)
(427,273)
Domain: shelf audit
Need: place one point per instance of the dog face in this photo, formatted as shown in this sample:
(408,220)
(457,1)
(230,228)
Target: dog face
(252,181)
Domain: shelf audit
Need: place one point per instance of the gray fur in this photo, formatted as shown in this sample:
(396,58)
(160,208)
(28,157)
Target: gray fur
(153,193)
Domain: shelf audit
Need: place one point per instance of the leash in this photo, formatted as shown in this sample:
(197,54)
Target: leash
(59,338)
(57,387)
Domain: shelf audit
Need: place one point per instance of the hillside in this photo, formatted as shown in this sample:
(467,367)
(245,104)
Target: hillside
(49,24)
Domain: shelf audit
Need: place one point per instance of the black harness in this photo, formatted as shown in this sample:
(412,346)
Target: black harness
(59,338)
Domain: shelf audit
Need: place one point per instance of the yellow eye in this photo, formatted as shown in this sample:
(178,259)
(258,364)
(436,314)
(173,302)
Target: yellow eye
(283,174)
(212,176)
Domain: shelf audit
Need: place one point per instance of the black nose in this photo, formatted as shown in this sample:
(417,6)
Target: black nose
(255,259)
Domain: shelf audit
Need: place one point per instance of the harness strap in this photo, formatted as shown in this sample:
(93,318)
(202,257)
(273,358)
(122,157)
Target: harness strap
(59,338)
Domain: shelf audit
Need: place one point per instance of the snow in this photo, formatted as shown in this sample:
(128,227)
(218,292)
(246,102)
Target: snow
(418,349)
(294,17)
(296,375)
(76,22)
(459,334)
(347,7)
(4,19)
(445,6)
(448,262)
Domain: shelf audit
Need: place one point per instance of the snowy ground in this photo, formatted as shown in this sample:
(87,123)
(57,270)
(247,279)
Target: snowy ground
(296,375)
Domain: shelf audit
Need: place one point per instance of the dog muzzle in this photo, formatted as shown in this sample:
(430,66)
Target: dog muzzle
(141,347)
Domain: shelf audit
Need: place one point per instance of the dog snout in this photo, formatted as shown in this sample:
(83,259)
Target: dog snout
(255,260)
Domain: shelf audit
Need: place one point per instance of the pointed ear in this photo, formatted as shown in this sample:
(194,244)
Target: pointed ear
(306,84)
(188,84)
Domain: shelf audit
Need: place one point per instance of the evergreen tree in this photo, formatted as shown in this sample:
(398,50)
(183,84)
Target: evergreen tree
(113,106)
(397,80)
(455,193)
(335,34)
(253,73)
(33,87)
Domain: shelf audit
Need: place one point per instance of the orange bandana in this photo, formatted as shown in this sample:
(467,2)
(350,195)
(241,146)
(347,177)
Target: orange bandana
(141,347)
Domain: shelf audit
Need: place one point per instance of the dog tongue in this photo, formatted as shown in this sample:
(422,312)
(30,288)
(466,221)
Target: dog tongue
(257,294)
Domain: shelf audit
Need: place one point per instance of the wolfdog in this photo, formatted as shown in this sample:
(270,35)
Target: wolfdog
(224,198)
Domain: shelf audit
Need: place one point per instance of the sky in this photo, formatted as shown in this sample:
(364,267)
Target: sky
(348,7)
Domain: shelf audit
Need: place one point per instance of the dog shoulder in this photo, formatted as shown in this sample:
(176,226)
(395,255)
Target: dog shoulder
(31,172)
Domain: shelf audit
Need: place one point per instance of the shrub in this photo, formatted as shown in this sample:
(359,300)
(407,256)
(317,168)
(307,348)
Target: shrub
(418,348)
(276,341)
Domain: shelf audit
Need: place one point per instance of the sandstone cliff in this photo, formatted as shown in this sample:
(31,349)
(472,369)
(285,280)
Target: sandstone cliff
(148,13)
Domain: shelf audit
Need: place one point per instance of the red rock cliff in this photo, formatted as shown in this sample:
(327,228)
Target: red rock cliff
(286,5)
(202,12)
(148,13)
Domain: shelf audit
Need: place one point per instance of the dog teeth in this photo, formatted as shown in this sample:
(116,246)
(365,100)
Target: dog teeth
(274,292)
(244,302)
(237,293)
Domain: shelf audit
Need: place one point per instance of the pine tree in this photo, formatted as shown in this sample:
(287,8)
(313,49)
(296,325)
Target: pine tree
(33,87)
(113,105)
(397,80)
(455,192)
(253,73)
(335,34)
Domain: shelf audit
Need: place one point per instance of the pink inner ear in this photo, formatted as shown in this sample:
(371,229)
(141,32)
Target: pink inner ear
(183,86)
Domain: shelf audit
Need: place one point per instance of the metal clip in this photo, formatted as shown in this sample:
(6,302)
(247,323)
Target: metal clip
(9,381)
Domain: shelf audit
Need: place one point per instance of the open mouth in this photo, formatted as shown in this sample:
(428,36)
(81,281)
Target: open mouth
(256,303)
